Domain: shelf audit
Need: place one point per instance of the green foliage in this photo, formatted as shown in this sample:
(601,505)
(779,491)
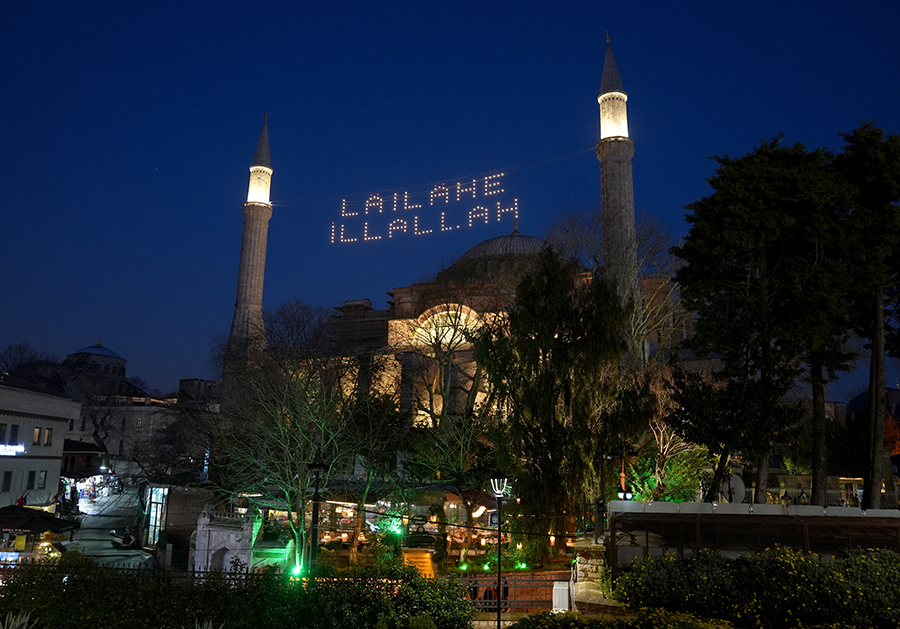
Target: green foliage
(643,619)
(778,588)
(551,620)
(422,621)
(545,362)
(675,478)
(664,619)
(728,415)
(75,593)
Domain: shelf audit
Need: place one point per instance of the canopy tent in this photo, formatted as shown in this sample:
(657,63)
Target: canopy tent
(22,520)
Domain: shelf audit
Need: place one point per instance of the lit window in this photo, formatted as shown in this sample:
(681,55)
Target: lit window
(42,479)
(37,437)
(48,437)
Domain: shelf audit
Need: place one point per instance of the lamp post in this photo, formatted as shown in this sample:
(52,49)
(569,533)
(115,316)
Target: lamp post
(498,485)
(316,468)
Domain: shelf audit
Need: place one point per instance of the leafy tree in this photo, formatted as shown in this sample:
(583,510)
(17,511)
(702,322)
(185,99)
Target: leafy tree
(870,164)
(763,273)
(545,362)
(727,416)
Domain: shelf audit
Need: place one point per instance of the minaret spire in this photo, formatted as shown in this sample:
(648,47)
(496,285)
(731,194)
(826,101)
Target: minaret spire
(615,150)
(247,323)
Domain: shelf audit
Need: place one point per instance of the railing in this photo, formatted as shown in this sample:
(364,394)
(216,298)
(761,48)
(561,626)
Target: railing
(636,532)
(519,592)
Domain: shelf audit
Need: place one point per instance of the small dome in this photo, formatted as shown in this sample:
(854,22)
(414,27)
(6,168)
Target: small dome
(98,350)
(513,245)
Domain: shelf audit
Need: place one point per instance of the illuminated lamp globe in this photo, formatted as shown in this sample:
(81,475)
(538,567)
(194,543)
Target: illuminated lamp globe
(498,483)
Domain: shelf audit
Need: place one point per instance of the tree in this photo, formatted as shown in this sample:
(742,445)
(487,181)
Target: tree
(763,273)
(298,402)
(452,411)
(18,354)
(870,164)
(545,362)
(728,415)
(656,318)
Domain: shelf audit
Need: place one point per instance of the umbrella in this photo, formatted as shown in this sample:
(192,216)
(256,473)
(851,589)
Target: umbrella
(22,520)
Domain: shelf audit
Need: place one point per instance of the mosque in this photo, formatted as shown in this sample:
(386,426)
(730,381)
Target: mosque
(480,282)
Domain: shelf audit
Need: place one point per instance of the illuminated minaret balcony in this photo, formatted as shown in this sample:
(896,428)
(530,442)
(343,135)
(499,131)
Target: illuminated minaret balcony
(613,116)
(260,184)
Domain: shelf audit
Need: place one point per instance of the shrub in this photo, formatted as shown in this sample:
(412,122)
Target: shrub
(644,619)
(76,593)
(550,620)
(778,588)
(692,584)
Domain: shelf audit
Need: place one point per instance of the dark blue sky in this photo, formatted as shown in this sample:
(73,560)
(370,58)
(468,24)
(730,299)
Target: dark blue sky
(128,129)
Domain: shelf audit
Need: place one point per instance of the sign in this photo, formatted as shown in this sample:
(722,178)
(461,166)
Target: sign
(9,450)
(445,208)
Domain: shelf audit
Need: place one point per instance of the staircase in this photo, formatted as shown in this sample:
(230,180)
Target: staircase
(421,559)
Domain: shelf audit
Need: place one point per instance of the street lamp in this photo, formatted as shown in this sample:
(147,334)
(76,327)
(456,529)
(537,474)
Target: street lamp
(498,485)
(316,468)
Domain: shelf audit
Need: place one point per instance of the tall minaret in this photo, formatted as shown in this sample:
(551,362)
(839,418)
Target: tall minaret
(615,150)
(247,324)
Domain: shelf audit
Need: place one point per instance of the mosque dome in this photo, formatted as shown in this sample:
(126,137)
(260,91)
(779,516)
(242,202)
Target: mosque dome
(98,350)
(510,246)
(503,260)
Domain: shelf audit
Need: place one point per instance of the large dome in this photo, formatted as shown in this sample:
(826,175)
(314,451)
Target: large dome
(502,261)
(510,246)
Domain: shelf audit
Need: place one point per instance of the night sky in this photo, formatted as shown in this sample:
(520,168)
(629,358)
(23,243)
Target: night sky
(128,130)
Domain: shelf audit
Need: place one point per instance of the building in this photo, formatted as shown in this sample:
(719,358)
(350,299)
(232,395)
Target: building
(421,335)
(32,433)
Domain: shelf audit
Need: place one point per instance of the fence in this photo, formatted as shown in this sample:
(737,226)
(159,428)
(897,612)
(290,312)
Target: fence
(637,534)
(520,592)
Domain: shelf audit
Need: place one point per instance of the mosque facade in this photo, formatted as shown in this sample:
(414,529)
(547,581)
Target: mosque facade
(480,282)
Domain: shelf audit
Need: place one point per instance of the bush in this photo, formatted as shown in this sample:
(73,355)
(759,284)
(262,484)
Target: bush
(693,584)
(778,588)
(76,593)
(644,619)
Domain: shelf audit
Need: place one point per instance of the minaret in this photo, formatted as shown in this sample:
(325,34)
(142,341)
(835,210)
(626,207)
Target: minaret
(615,150)
(247,324)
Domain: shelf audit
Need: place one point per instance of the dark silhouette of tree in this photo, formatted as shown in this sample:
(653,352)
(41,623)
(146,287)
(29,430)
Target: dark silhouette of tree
(870,164)
(764,273)
(550,363)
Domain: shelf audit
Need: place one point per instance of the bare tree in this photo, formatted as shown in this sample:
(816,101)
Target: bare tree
(18,354)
